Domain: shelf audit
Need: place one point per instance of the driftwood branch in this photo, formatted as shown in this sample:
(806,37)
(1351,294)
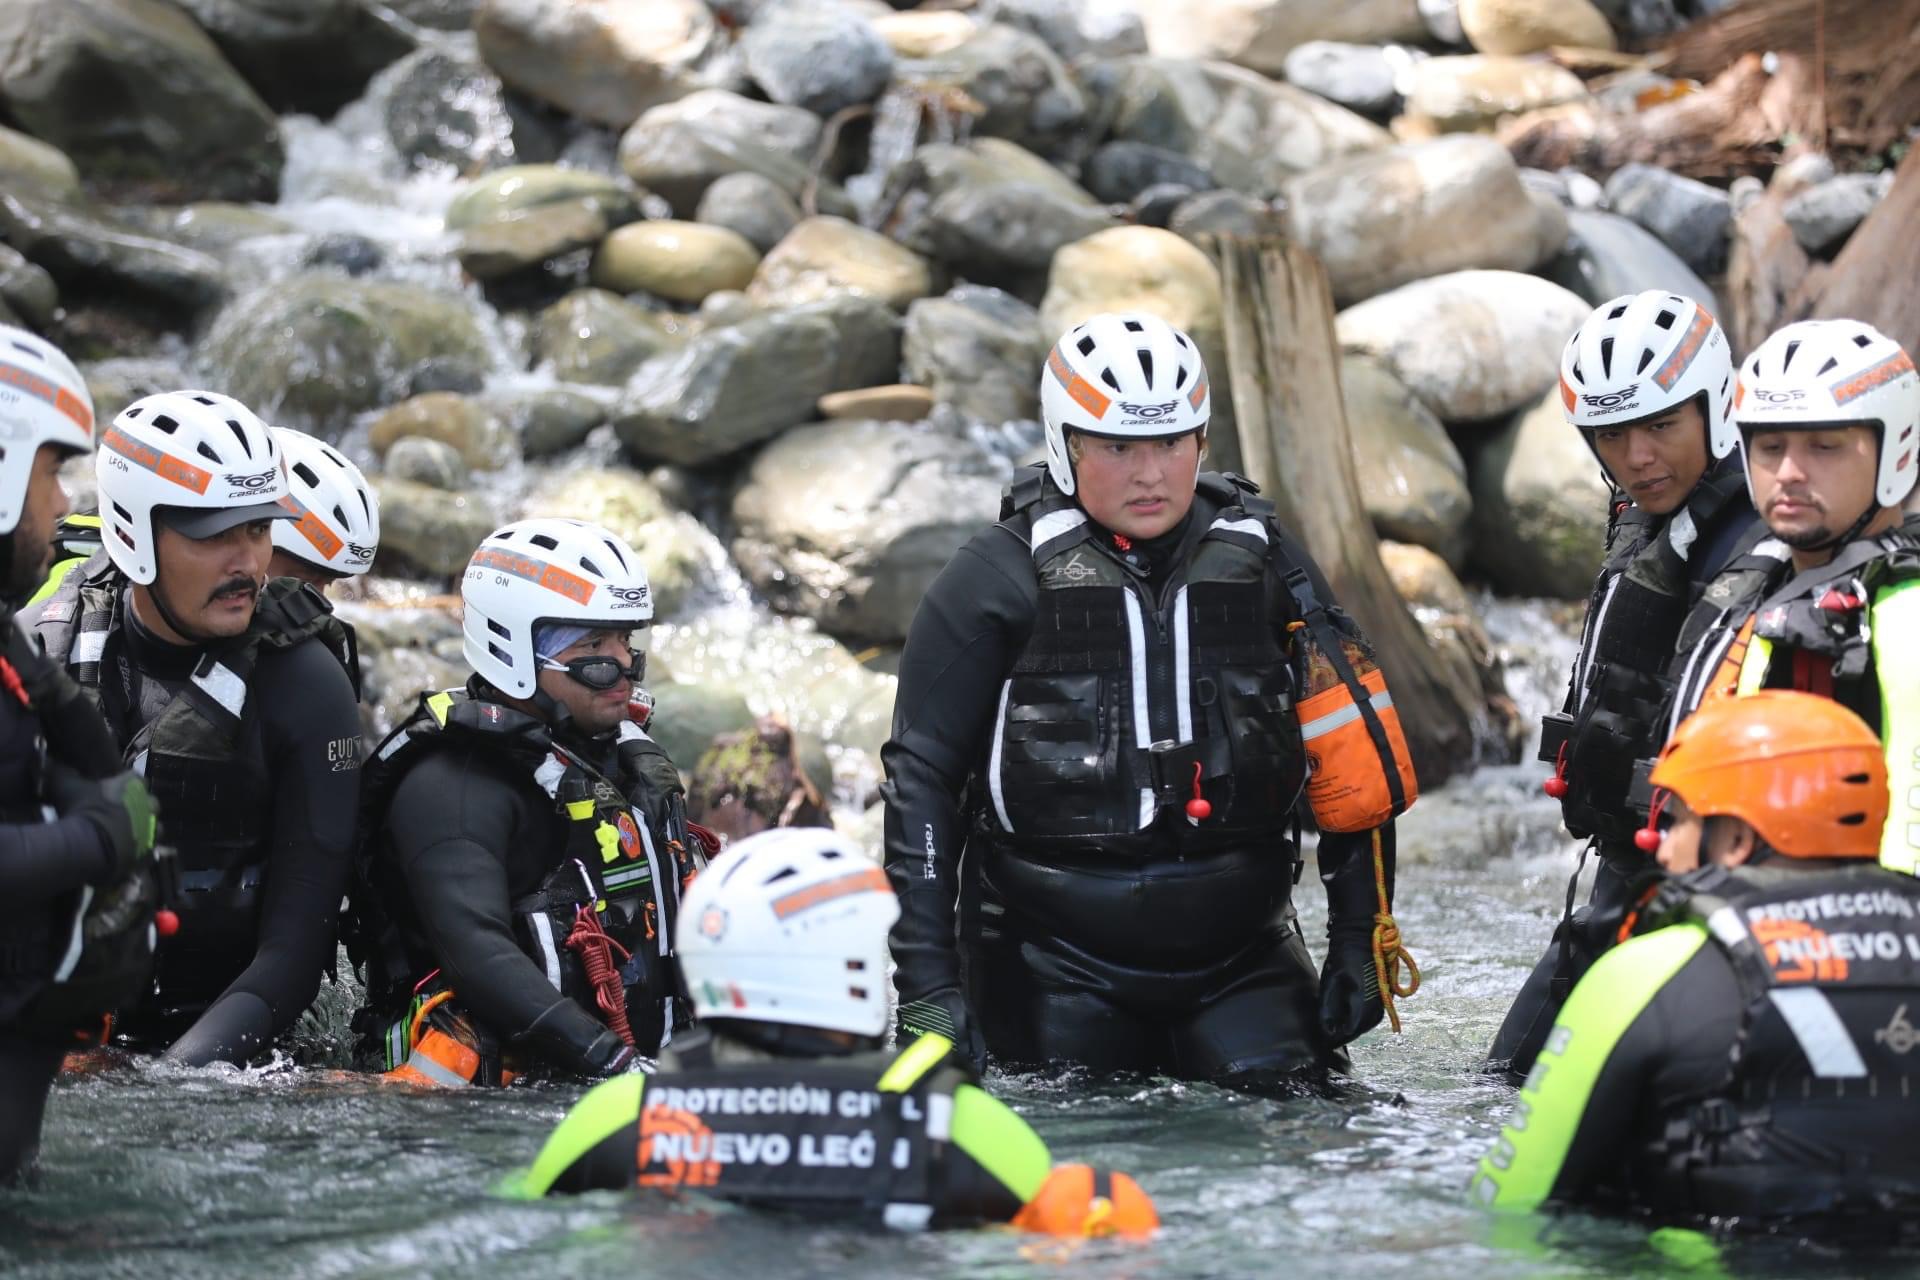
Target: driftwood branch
(1283,366)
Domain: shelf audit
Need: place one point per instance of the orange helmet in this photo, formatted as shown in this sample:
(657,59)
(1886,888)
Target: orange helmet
(1077,1201)
(1802,770)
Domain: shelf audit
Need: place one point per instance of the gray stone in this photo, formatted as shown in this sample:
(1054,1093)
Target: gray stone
(1823,216)
(513,190)
(1607,255)
(137,94)
(1119,171)
(592,335)
(849,522)
(1797,173)
(1583,192)
(436,15)
(980,350)
(311,56)
(1009,233)
(462,423)
(311,350)
(1469,92)
(84,249)
(600,60)
(1691,217)
(941,168)
(1249,132)
(444,106)
(817,55)
(423,461)
(750,205)
(1357,76)
(528,237)
(866,339)
(1222,213)
(1411,476)
(28,289)
(348,251)
(548,420)
(1442,20)
(115,384)
(215,226)
(1260,33)
(1743,191)
(677,151)
(688,717)
(430,530)
(1390,217)
(1472,345)
(677,261)
(26,163)
(1644,21)
(1025,90)
(1077,29)
(1156,206)
(824,255)
(1539,506)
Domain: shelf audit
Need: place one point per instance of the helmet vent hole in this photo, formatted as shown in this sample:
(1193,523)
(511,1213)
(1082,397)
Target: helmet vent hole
(1793,349)
(206,400)
(1181,338)
(26,347)
(1828,367)
(858,993)
(1853,820)
(1086,345)
(1862,340)
(206,451)
(306,474)
(1664,319)
(1106,376)
(1180,378)
(240,434)
(1146,366)
(542,540)
(505,658)
(1606,357)
(855,965)
(1134,326)
(784,873)
(339,515)
(615,553)
(365,506)
(1857,779)
(1617,312)
(591,567)
(1646,358)
(499,630)
(164,423)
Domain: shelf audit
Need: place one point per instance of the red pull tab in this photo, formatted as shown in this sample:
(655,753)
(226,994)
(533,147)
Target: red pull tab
(1198,808)
(1837,601)
(1556,786)
(166,923)
(1647,838)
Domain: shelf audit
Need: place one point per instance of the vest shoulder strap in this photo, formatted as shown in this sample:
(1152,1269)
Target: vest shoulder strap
(1028,486)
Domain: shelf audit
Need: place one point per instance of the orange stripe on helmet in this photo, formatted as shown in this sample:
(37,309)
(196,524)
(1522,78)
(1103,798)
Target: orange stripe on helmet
(1869,379)
(551,576)
(870,880)
(1566,394)
(166,466)
(1683,355)
(40,388)
(310,526)
(1083,393)
(1199,393)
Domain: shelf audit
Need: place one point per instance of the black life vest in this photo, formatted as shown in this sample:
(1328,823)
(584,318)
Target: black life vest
(1120,703)
(1816,1108)
(627,857)
(864,1134)
(215,799)
(1641,611)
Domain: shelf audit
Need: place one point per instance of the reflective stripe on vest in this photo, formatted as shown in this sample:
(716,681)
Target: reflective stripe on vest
(1896,625)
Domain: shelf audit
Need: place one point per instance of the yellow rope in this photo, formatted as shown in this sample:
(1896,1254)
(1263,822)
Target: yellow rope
(1388,953)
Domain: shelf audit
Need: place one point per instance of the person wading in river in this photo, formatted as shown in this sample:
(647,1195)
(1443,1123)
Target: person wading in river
(1648,383)
(1116,699)
(225,691)
(781,1096)
(1746,1059)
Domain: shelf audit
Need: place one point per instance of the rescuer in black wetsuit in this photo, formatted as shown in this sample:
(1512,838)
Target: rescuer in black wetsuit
(1110,680)
(222,692)
(52,747)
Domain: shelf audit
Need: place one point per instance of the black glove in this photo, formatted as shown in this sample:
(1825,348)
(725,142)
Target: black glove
(1350,1001)
(944,1013)
(118,807)
(609,1055)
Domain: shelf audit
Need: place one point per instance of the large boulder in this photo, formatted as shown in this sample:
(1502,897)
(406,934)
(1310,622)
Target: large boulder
(1119,171)
(1360,77)
(445,107)
(312,56)
(428,530)
(1078,28)
(592,335)
(28,164)
(820,56)
(464,425)
(311,350)
(1387,218)
(849,522)
(728,388)
(1689,216)
(1260,33)
(687,717)
(683,560)
(527,238)
(138,95)
(679,261)
(1539,506)
(602,60)
(27,289)
(546,420)
(1606,256)
(754,207)
(939,169)
(1411,476)
(1249,132)
(826,255)
(1514,27)
(1823,216)
(1472,345)
(979,350)
(516,189)
(1007,233)
(93,252)
(1025,91)
(1468,92)
(679,150)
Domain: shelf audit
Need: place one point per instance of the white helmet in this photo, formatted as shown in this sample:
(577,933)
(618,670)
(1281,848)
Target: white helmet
(1129,377)
(199,454)
(1645,353)
(790,926)
(547,570)
(43,400)
(336,524)
(1835,373)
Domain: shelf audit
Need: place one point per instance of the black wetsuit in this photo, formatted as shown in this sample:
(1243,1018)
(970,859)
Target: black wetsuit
(1191,965)
(472,833)
(42,868)
(302,728)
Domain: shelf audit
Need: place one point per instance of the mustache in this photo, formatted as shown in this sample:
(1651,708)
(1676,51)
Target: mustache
(238,582)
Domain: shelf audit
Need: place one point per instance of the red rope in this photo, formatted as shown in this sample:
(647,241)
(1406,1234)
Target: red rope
(590,941)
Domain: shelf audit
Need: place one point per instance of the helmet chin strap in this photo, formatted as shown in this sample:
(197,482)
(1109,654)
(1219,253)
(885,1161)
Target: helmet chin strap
(1853,530)
(172,620)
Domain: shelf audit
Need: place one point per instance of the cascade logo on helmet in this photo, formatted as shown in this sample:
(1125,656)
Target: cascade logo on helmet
(1148,412)
(1778,397)
(364,554)
(629,597)
(251,484)
(1610,400)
